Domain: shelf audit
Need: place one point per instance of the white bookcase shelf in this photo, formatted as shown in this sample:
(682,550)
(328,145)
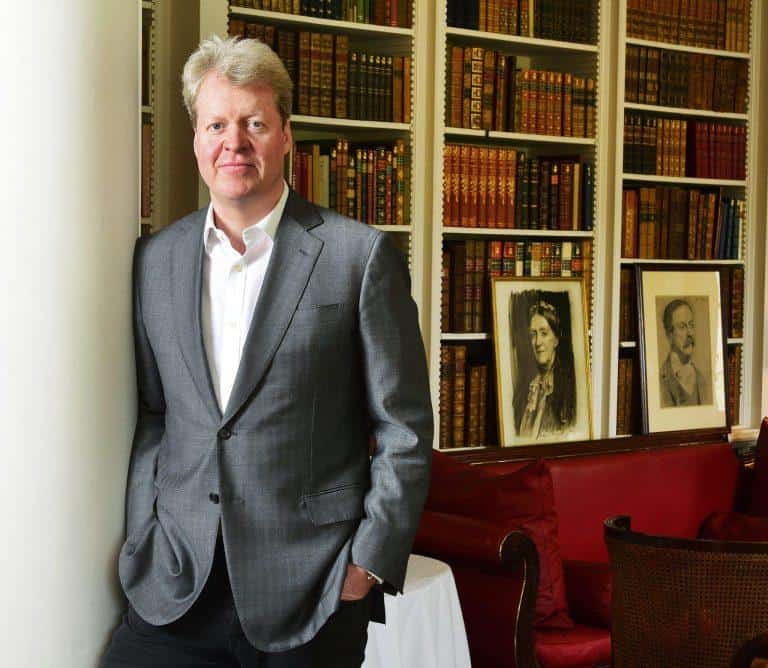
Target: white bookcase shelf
(526,138)
(685,48)
(476,336)
(747,188)
(636,260)
(682,111)
(347,124)
(501,232)
(684,180)
(517,43)
(327,25)
(581,59)
(427,42)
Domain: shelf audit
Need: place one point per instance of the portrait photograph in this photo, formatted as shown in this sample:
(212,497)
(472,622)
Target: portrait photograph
(542,369)
(682,348)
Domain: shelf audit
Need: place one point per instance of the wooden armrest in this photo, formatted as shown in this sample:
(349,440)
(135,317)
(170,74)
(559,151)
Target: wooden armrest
(469,540)
(480,551)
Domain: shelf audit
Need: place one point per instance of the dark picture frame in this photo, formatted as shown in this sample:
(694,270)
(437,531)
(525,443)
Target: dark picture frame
(541,344)
(682,346)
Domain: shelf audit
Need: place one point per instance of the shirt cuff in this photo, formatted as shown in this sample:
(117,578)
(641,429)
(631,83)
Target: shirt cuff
(375,577)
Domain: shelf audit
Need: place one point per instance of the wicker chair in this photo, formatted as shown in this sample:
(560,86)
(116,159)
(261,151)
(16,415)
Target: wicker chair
(683,602)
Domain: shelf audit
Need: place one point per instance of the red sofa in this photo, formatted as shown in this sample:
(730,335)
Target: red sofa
(666,488)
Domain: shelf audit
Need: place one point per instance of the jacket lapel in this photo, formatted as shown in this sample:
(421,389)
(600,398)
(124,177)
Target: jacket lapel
(293,258)
(187,282)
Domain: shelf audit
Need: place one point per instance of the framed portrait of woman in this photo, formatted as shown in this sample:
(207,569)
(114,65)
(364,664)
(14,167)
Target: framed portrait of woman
(542,360)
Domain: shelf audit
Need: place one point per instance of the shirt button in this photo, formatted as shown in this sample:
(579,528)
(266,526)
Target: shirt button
(237,268)
(225,433)
(214,497)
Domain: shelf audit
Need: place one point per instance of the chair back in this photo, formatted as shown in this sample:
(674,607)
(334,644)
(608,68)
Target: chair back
(680,602)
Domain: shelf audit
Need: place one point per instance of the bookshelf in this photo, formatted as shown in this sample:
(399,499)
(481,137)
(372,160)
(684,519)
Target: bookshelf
(147,168)
(428,40)
(397,41)
(630,78)
(584,59)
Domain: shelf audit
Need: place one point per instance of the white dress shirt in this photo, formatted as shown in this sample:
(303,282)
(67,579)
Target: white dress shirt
(231,287)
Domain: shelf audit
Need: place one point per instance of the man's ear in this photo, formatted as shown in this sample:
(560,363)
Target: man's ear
(287,137)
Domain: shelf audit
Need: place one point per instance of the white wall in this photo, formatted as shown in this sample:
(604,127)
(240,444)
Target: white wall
(69,128)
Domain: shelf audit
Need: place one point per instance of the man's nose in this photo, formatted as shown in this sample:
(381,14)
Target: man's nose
(234,137)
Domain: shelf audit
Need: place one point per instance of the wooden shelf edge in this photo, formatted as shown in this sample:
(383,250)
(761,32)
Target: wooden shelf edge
(604,446)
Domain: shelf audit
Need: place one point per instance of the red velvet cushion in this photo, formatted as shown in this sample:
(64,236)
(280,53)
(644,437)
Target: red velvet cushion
(588,585)
(758,503)
(524,500)
(579,647)
(734,526)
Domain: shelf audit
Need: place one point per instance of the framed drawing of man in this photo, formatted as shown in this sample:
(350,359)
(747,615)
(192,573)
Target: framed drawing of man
(682,347)
(542,366)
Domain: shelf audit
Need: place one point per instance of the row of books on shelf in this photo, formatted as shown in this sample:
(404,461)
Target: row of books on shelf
(469,266)
(628,391)
(678,224)
(679,147)
(369,183)
(464,399)
(733,307)
(494,187)
(395,13)
(486,91)
(712,24)
(146,170)
(333,81)
(687,80)
(565,20)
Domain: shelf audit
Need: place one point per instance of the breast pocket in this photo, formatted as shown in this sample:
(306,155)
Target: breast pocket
(316,315)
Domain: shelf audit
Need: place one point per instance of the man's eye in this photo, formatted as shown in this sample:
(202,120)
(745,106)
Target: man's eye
(215,126)
(257,125)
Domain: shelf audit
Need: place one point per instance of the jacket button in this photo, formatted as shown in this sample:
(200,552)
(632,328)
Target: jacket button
(225,433)
(214,497)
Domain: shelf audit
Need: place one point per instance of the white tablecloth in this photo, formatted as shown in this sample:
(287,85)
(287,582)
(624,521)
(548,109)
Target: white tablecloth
(424,626)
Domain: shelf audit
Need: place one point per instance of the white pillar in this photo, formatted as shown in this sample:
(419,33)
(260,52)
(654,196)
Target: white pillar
(69,129)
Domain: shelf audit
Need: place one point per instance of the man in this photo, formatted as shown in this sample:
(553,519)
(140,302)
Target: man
(682,384)
(273,339)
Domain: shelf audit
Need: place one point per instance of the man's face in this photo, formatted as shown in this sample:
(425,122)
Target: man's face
(682,336)
(543,340)
(240,140)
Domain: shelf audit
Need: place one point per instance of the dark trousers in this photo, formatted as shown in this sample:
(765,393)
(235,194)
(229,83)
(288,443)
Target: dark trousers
(209,634)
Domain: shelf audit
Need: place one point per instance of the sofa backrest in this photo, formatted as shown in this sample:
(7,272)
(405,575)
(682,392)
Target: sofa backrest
(666,491)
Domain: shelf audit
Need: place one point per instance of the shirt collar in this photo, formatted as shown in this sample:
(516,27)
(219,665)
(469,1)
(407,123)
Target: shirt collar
(267,225)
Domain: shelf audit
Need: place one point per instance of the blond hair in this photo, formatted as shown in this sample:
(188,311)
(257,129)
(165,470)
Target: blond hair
(242,62)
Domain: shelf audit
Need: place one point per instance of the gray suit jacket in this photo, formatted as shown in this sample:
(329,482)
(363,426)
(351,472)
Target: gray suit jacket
(333,356)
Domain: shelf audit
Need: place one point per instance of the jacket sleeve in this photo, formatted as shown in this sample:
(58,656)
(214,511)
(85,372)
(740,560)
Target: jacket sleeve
(400,411)
(150,420)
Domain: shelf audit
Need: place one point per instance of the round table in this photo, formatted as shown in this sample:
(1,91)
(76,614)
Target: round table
(425,628)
